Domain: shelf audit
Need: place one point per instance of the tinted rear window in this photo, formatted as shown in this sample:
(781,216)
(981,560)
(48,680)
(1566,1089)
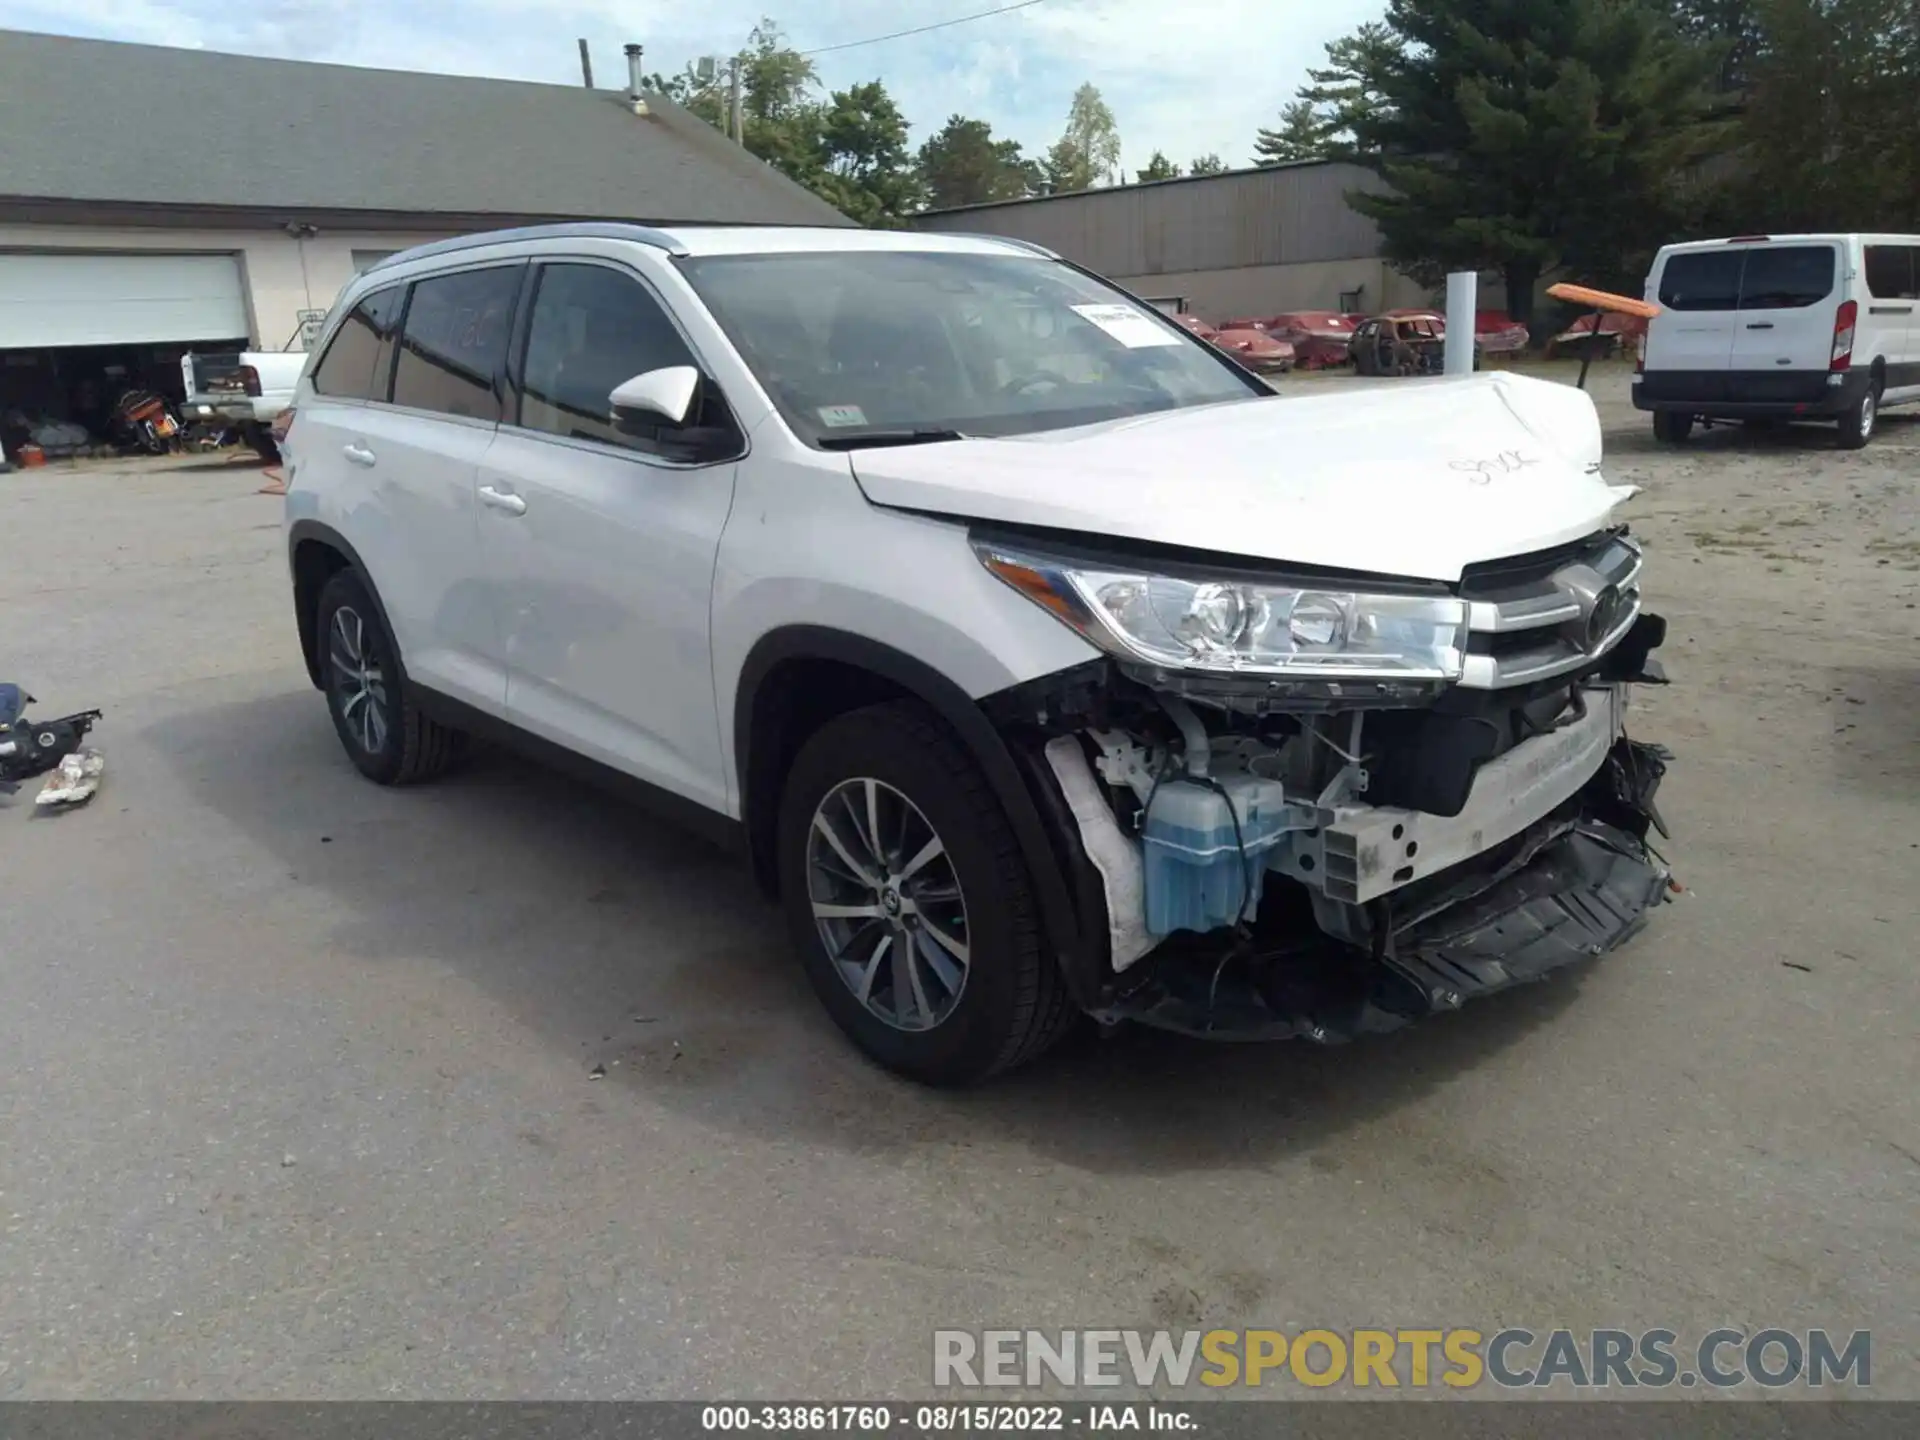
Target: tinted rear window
(456,342)
(1787,277)
(357,363)
(1701,280)
(1780,277)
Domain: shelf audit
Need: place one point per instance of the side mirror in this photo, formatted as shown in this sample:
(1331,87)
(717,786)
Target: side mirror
(646,400)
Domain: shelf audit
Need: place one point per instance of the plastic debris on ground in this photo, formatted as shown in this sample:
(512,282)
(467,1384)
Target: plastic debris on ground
(74,780)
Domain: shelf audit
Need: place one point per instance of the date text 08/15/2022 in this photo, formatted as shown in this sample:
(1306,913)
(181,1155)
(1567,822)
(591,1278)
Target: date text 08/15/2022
(939,1419)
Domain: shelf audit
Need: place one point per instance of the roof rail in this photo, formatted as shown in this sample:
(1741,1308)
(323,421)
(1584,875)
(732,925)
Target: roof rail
(1027,245)
(572,230)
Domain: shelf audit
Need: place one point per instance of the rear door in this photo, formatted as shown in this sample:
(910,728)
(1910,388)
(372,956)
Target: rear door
(1893,310)
(1789,294)
(1698,292)
(418,447)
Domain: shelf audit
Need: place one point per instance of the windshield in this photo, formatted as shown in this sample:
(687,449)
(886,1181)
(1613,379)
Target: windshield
(883,342)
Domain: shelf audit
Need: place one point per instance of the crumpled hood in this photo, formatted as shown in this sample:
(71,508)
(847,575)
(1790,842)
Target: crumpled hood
(1419,478)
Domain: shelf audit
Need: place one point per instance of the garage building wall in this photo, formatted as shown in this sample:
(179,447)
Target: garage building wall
(282,275)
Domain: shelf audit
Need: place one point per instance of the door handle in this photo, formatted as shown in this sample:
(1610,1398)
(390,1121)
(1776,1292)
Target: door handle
(358,454)
(1761,325)
(501,500)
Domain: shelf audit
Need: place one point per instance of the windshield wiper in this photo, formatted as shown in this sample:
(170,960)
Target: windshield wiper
(874,439)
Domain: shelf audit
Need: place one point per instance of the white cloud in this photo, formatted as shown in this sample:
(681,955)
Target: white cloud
(1184,76)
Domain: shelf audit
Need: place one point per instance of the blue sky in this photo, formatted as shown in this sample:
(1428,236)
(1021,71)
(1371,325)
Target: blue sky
(1184,76)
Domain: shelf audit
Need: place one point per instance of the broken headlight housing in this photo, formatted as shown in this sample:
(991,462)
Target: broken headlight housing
(1310,631)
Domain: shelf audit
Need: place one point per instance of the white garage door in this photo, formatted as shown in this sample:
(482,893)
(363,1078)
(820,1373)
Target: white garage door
(76,299)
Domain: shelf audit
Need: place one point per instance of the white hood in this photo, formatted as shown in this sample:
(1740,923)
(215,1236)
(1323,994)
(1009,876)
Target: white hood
(1420,478)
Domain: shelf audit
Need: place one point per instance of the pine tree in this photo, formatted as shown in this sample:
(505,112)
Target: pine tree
(1530,135)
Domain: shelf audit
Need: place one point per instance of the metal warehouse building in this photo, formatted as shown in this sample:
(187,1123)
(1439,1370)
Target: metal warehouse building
(1246,243)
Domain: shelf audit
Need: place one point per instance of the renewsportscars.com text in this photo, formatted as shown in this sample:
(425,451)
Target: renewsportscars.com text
(1455,1359)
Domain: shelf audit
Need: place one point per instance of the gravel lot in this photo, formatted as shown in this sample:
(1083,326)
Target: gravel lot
(297,1101)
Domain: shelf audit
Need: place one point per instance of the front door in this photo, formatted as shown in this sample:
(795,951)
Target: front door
(602,548)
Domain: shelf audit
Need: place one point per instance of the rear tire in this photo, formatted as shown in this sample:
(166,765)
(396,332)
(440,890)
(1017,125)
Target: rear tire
(382,729)
(1857,425)
(1671,427)
(1010,1001)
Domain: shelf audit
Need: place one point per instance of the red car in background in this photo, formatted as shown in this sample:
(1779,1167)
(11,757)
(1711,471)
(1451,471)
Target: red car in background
(1494,333)
(1256,349)
(1320,338)
(1614,331)
(1253,348)
(1497,333)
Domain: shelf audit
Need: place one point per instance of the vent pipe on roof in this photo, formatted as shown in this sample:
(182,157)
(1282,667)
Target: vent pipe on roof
(586,64)
(636,73)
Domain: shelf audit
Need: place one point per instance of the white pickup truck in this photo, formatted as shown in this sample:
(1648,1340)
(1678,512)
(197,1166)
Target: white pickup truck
(245,389)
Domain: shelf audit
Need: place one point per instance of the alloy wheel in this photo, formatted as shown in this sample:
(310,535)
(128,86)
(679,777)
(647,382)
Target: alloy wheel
(887,904)
(358,680)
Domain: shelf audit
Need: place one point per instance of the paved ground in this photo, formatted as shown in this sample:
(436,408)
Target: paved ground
(295,1098)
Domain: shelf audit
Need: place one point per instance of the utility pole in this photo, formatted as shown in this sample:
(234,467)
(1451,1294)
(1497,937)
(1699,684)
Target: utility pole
(586,63)
(735,118)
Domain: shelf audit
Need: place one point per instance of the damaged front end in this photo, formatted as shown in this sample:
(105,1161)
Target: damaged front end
(1368,800)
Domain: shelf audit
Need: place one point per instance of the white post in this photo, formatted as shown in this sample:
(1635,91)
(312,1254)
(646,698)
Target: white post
(1463,303)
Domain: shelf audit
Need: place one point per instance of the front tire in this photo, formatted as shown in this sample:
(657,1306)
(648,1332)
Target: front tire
(382,729)
(910,903)
(1670,427)
(1857,425)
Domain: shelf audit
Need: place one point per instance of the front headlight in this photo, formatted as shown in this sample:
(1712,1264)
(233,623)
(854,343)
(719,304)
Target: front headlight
(1243,628)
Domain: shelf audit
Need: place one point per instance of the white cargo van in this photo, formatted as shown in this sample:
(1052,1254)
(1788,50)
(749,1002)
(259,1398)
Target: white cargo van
(1789,327)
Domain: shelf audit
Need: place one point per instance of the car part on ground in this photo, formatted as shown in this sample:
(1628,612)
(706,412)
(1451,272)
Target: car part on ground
(31,747)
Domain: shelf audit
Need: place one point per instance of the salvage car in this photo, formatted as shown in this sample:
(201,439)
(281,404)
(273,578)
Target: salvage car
(1319,337)
(1250,346)
(1498,335)
(1409,343)
(1601,335)
(884,558)
(1256,349)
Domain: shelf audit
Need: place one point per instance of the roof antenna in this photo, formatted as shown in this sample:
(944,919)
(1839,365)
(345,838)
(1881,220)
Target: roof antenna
(586,64)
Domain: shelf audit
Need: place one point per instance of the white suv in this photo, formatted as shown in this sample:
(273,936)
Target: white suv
(1040,658)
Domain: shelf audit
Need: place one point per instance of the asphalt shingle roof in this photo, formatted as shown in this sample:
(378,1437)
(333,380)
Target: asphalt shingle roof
(96,120)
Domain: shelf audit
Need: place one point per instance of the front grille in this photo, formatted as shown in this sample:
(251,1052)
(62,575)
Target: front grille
(1540,616)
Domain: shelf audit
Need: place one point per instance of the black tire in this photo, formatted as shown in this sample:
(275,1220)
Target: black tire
(401,746)
(1857,425)
(1014,1002)
(1670,427)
